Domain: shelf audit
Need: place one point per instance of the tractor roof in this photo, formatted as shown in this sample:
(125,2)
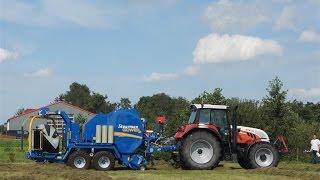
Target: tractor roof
(209,106)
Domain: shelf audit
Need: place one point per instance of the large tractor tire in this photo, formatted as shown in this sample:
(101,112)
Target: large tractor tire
(79,160)
(244,163)
(103,161)
(200,150)
(263,155)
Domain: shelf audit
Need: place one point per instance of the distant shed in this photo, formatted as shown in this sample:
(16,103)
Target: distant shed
(15,123)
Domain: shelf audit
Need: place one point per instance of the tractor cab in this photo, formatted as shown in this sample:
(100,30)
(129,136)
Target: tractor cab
(207,114)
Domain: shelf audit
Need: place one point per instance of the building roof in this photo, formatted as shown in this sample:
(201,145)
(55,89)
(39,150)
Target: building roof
(209,106)
(29,111)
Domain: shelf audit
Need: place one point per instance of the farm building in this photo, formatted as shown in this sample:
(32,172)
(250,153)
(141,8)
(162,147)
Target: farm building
(15,123)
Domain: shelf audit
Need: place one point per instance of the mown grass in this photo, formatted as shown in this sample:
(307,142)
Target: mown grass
(161,171)
(10,151)
(20,168)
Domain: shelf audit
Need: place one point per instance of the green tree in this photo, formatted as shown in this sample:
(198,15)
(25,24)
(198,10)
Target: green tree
(124,103)
(78,95)
(19,111)
(248,113)
(307,111)
(81,96)
(278,116)
(215,97)
(151,106)
(180,115)
(175,109)
(2,128)
(81,119)
(99,104)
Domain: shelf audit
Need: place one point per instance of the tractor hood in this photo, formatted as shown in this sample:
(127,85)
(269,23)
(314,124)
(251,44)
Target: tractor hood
(258,132)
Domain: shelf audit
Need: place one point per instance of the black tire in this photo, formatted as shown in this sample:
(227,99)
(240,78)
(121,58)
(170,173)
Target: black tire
(108,156)
(80,156)
(209,139)
(258,160)
(244,163)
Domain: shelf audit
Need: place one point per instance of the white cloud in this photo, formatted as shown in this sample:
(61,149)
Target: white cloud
(41,73)
(216,48)
(81,12)
(49,12)
(238,16)
(7,55)
(307,93)
(287,19)
(161,76)
(192,70)
(310,36)
(226,15)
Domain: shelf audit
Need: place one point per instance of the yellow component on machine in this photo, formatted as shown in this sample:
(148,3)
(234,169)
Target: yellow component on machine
(122,134)
(32,118)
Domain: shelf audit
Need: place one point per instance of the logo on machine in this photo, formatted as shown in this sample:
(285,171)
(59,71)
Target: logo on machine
(129,128)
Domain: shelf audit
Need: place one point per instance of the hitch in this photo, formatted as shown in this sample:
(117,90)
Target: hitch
(281,144)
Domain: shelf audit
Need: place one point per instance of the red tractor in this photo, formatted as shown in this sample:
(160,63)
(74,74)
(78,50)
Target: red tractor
(210,136)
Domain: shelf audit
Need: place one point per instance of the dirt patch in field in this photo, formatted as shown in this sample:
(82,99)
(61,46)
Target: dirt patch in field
(5,137)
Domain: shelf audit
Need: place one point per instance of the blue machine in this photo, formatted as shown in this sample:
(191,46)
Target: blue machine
(120,135)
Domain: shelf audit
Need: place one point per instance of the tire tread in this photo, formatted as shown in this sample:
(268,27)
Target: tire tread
(75,154)
(103,153)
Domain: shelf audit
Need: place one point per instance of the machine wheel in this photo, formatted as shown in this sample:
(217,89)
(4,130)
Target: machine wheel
(200,150)
(103,161)
(244,163)
(79,160)
(263,155)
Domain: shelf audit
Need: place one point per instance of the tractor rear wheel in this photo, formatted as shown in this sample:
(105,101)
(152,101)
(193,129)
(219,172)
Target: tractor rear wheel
(103,161)
(79,160)
(263,155)
(200,150)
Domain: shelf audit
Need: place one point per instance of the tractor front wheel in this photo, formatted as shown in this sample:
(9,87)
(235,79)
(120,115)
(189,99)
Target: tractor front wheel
(263,155)
(200,150)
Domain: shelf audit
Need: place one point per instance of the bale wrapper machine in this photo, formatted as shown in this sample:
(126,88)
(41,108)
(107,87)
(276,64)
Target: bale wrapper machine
(118,136)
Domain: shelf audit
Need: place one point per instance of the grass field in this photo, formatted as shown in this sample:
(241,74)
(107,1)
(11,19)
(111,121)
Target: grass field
(20,168)
(10,151)
(30,170)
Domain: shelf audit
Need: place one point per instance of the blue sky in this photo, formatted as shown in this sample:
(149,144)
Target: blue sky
(141,47)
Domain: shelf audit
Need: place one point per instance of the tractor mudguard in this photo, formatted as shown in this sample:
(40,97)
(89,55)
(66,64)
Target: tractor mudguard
(188,128)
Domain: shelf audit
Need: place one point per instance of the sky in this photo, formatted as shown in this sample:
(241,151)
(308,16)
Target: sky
(134,48)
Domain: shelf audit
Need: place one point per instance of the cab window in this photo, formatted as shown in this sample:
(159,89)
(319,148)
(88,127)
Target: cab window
(192,116)
(204,116)
(219,117)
